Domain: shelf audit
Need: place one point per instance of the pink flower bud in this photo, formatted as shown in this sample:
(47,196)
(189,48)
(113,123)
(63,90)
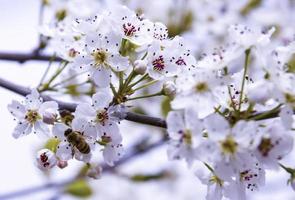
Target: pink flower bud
(95,172)
(62,164)
(169,89)
(49,118)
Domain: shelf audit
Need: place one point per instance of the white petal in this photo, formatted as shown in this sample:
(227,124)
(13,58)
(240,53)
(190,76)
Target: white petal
(111,130)
(175,124)
(112,153)
(59,129)
(22,129)
(48,106)
(118,62)
(286,115)
(41,128)
(217,126)
(79,124)
(33,100)
(17,109)
(84,110)
(102,99)
(64,151)
(82,63)
(102,77)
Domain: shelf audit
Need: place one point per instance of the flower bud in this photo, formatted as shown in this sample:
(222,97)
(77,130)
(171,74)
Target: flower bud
(46,159)
(95,172)
(49,118)
(140,66)
(62,164)
(169,89)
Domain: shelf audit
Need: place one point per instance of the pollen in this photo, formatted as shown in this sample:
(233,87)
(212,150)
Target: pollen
(229,145)
(100,57)
(102,116)
(32,116)
(201,87)
(265,146)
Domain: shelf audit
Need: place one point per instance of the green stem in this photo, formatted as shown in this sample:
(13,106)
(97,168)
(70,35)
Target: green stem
(147,96)
(68,79)
(145,85)
(138,81)
(47,70)
(247,56)
(266,115)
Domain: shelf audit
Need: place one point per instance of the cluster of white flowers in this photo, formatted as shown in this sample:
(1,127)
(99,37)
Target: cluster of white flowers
(222,105)
(93,125)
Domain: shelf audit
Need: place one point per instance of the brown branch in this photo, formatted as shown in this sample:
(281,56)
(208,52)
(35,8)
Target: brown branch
(72,106)
(133,153)
(23,57)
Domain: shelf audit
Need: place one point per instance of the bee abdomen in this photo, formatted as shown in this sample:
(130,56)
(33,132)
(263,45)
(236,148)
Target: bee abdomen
(83,147)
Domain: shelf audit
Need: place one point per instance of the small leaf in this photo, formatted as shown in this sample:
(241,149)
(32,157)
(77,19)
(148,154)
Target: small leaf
(79,188)
(51,144)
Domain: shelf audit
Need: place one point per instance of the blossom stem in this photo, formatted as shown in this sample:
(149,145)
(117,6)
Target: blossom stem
(145,85)
(47,70)
(141,79)
(247,56)
(68,79)
(147,96)
(46,86)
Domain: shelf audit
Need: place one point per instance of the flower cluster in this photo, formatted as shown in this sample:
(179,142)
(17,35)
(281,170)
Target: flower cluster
(231,109)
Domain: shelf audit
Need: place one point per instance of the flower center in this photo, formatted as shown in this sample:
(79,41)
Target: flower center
(102,116)
(61,14)
(201,87)
(100,57)
(32,116)
(187,137)
(129,29)
(229,145)
(265,146)
(159,63)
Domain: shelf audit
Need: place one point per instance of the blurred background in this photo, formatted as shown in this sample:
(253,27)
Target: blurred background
(204,24)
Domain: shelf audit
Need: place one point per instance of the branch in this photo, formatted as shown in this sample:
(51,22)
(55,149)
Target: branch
(133,153)
(72,106)
(23,57)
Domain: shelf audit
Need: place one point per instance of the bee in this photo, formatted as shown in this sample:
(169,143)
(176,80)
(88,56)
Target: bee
(77,140)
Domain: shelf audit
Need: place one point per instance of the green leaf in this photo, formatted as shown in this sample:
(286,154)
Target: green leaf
(51,144)
(79,188)
(165,106)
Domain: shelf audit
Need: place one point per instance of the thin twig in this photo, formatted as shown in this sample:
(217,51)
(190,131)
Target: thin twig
(23,57)
(154,121)
(131,154)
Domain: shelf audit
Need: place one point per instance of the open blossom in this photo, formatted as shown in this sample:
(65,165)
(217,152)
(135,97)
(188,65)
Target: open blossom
(46,159)
(30,115)
(100,57)
(160,63)
(130,26)
(185,132)
(104,117)
(198,90)
(273,142)
(85,137)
